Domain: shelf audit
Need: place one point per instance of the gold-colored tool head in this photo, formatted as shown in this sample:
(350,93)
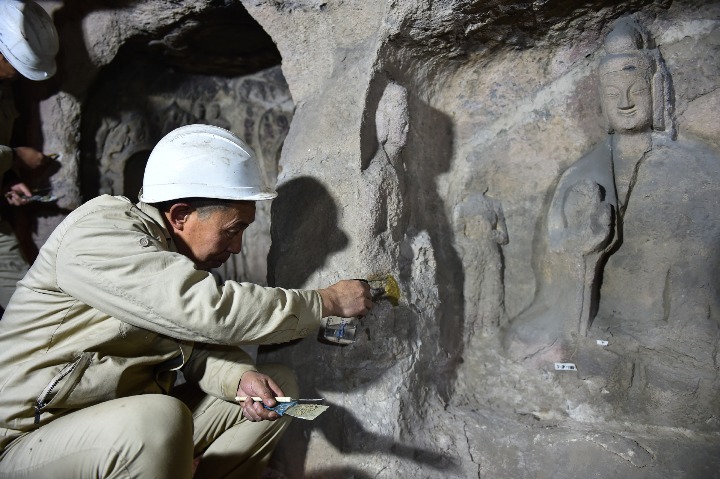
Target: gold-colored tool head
(392,291)
(385,288)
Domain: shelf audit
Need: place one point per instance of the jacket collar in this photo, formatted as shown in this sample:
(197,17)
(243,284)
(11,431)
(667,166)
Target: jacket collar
(157,216)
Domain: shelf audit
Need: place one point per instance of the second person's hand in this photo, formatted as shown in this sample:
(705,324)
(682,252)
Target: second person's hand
(29,158)
(17,194)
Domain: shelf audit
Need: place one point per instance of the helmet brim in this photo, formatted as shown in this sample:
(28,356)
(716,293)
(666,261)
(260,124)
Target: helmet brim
(161,193)
(36,74)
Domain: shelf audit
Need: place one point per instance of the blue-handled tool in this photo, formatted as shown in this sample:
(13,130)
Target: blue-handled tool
(299,408)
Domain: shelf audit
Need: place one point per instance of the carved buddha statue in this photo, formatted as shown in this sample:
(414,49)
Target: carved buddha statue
(608,246)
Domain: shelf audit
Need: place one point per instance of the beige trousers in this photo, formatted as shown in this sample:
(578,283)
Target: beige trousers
(151,436)
(12,265)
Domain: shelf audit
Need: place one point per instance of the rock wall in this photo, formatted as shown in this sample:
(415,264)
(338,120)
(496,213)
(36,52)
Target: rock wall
(126,77)
(530,188)
(136,103)
(502,101)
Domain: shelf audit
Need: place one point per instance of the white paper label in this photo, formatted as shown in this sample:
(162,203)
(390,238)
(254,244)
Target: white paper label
(565,367)
(602,342)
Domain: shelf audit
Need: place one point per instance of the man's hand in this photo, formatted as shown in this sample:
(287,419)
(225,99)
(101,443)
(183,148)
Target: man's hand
(17,193)
(252,384)
(346,299)
(28,157)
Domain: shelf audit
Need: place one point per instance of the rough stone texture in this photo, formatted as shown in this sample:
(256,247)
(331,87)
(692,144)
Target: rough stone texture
(137,103)
(91,33)
(427,142)
(501,100)
(129,78)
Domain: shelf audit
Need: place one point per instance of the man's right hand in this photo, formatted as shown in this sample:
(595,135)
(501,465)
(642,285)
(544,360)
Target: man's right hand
(27,157)
(346,298)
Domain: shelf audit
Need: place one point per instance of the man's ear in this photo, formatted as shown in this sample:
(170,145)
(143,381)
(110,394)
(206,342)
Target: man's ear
(178,215)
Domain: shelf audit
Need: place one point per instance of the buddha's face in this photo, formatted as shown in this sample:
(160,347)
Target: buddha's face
(627,100)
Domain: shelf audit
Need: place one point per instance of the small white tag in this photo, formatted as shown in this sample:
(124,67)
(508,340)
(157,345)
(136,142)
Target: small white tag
(602,342)
(565,367)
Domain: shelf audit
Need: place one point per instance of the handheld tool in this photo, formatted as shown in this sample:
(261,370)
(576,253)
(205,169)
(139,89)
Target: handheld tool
(35,198)
(384,288)
(40,198)
(342,330)
(299,408)
(43,195)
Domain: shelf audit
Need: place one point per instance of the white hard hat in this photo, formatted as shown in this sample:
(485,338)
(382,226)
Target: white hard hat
(202,161)
(28,39)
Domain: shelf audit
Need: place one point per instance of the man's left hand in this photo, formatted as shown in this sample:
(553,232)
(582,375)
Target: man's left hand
(17,194)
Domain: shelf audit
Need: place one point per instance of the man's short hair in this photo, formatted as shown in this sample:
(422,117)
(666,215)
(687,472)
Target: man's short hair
(204,206)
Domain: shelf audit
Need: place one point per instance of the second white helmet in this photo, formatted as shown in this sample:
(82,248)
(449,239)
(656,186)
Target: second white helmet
(28,39)
(202,161)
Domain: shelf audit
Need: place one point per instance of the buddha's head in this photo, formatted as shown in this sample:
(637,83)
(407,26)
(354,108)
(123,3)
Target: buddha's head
(392,119)
(631,85)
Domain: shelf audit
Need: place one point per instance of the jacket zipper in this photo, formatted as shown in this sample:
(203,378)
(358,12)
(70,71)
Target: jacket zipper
(40,402)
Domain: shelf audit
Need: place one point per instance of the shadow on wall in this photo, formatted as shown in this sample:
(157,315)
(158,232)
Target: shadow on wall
(133,174)
(304,232)
(429,153)
(348,436)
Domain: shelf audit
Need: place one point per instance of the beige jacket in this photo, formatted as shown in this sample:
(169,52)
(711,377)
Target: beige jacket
(110,309)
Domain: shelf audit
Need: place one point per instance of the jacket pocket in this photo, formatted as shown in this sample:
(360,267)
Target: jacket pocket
(61,384)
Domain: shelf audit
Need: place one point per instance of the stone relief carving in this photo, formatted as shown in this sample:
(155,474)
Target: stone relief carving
(171,114)
(383,180)
(601,269)
(209,112)
(480,93)
(480,223)
(258,107)
(117,140)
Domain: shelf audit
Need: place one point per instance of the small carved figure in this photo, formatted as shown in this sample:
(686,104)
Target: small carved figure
(481,227)
(213,116)
(198,110)
(174,116)
(383,183)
